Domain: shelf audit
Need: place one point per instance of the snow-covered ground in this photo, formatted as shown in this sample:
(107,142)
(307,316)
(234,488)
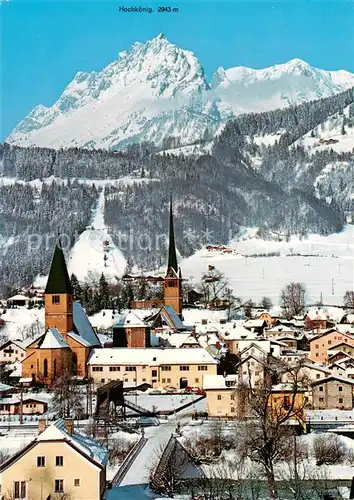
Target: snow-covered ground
(21,323)
(328,135)
(93,247)
(329,271)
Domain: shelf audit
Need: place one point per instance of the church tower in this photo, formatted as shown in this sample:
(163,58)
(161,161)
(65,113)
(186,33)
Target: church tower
(58,295)
(173,278)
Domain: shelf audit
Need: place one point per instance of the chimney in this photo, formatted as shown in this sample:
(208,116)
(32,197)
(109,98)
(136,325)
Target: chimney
(42,425)
(69,425)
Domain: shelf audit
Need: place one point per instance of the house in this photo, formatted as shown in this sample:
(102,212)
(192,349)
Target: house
(68,336)
(251,371)
(234,334)
(334,391)
(221,395)
(256,325)
(31,405)
(5,389)
(131,331)
(320,344)
(166,319)
(18,301)
(159,367)
(12,351)
(317,319)
(267,317)
(225,400)
(58,461)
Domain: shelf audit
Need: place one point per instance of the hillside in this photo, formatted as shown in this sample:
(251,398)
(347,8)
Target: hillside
(257,173)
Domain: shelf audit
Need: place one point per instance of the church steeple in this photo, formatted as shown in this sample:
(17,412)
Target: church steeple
(172,255)
(58,279)
(173,278)
(58,295)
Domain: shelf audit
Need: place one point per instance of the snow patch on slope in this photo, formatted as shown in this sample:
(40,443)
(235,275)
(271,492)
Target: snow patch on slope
(94,252)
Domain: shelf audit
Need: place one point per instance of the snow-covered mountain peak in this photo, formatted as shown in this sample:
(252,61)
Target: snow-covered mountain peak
(156,91)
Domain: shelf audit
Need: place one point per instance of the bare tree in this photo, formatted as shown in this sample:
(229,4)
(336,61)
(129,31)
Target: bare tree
(329,450)
(292,299)
(265,437)
(67,400)
(348,299)
(214,285)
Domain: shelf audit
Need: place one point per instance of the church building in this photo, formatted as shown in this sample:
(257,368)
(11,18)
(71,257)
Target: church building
(68,336)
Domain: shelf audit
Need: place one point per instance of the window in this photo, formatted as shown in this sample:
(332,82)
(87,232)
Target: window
(202,368)
(154,373)
(340,388)
(163,380)
(320,388)
(196,380)
(143,380)
(340,400)
(55,299)
(59,486)
(59,461)
(329,342)
(76,482)
(232,409)
(103,380)
(97,368)
(219,397)
(232,397)
(316,346)
(165,368)
(20,489)
(114,368)
(318,375)
(130,368)
(168,380)
(45,368)
(40,461)
(317,355)
(286,403)
(321,400)
(184,368)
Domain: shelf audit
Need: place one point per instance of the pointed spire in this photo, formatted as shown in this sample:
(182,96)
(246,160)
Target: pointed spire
(172,256)
(58,279)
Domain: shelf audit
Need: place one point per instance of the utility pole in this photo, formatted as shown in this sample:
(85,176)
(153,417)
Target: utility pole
(21,405)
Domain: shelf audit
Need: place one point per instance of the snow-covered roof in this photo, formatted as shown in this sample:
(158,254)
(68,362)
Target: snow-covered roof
(52,340)
(79,339)
(131,320)
(19,297)
(219,381)
(334,376)
(286,387)
(83,326)
(254,323)
(5,387)
(16,342)
(280,328)
(174,339)
(149,356)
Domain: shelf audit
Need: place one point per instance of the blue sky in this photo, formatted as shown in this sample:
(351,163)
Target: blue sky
(45,43)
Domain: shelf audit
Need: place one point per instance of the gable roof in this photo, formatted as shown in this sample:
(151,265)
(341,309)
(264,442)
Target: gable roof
(170,317)
(52,340)
(58,279)
(340,378)
(130,320)
(85,445)
(82,325)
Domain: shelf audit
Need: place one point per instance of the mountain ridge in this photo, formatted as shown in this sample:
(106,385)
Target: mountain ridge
(157,90)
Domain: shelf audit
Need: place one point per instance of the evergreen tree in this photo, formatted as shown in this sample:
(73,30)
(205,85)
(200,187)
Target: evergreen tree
(103,300)
(78,294)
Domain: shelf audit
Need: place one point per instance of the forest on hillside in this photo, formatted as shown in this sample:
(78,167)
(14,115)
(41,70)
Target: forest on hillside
(291,190)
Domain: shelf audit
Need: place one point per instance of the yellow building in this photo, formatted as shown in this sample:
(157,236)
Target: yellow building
(221,394)
(59,461)
(159,367)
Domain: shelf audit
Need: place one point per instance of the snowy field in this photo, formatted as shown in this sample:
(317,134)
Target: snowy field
(330,272)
